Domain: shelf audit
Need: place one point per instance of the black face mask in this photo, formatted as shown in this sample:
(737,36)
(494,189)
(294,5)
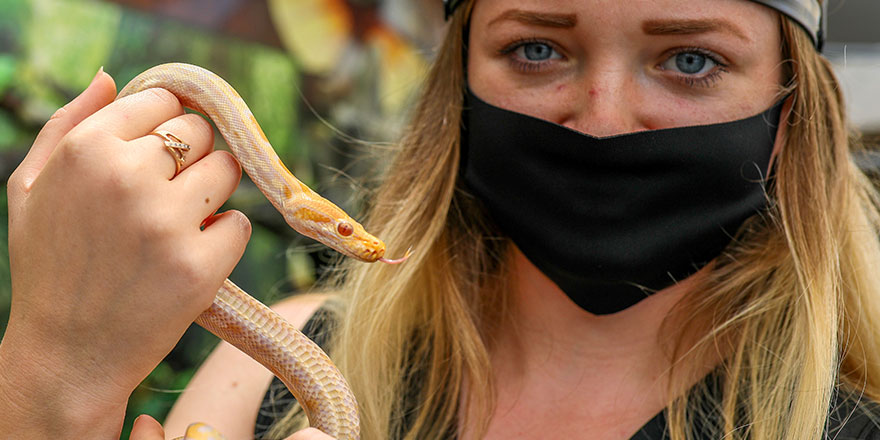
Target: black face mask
(613,220)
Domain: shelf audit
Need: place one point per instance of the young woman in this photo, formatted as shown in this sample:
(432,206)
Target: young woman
(630,218)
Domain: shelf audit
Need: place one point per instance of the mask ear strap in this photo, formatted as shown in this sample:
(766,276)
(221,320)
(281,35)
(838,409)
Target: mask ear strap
(449,7)
(823,27)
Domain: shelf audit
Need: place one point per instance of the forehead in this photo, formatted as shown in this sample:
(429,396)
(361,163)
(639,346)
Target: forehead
(748,18)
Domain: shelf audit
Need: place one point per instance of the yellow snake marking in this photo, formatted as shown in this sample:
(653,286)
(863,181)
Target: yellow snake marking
(236,317)
(308,214)
(263,135)
(288,193)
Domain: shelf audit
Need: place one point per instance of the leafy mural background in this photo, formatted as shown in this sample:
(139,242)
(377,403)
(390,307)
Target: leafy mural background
(328,80)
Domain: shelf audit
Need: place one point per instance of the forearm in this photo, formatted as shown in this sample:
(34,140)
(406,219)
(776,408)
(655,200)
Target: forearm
(38,401)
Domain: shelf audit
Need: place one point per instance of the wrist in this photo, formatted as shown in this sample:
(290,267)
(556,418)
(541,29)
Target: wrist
(39,399)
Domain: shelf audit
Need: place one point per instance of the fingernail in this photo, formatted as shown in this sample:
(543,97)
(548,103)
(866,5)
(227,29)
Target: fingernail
(61,111)
(137,421)
(92,82)
(95,78)
(202,431)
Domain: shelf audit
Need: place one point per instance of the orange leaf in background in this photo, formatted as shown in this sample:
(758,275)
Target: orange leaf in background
(317,32)
(401,67)
(362,66)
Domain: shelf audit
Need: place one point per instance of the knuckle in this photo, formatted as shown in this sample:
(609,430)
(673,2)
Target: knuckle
(192,275)
(198,279)
(14,180)
(170,248)
(59,114)
(204,301)
(78,148)
(87,141)
(158,228)
(219,170)
(77,139)
(101,154)
(163,96)
(199,125)
(190,269)
(229,162)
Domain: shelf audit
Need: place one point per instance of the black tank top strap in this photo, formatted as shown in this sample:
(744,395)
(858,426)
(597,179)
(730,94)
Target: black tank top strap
(278,400)
(851,417)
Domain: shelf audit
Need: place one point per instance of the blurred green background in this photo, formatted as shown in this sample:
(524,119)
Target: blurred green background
(329,88)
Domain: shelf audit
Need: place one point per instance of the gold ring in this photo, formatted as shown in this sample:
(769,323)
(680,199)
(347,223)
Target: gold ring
(175,146)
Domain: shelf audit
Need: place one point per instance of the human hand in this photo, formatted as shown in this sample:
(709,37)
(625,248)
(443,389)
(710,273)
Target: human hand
(109,263)
(147,428)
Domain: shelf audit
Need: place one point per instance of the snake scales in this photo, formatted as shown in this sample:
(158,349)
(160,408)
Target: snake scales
(235,316)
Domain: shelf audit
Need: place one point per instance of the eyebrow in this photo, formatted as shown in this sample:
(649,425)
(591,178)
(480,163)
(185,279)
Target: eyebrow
(537,18)
(690,27)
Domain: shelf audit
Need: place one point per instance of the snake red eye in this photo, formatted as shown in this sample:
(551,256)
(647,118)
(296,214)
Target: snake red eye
(344,229)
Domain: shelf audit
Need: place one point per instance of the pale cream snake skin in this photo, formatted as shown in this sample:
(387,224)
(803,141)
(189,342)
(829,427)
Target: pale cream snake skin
(235,316)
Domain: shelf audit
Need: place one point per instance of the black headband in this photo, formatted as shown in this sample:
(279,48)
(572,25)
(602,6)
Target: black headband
(809,14)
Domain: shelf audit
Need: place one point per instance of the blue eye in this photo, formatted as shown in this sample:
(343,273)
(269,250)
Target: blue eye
(690,63)
(537,52)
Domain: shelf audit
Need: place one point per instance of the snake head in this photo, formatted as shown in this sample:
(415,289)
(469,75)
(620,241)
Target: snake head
(326,223)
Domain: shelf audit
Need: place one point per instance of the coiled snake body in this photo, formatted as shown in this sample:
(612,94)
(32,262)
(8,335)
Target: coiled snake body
(235,316)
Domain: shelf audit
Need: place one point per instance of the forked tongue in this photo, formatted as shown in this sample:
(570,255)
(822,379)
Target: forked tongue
(399,260)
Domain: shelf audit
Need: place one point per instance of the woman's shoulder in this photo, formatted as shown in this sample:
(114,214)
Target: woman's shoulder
(299,309)
(853,416)
(311,314)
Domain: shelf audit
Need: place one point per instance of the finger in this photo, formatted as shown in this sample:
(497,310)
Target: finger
(98,94)
(309,434)
(135,115)
(206,184)
(146,428)
(201,431)
(224,239)
(190,129)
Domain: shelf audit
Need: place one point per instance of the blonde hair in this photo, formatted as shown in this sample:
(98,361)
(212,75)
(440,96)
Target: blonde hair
(794,300)
(792,305)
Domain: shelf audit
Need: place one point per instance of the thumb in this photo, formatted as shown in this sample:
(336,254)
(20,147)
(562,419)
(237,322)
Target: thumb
(100,92)
(146,428)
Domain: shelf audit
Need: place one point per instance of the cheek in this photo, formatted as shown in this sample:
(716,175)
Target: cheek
(660,108)
(552,101)
(479,72)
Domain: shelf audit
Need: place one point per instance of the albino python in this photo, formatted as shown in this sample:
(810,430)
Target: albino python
(235,316)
